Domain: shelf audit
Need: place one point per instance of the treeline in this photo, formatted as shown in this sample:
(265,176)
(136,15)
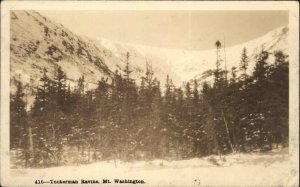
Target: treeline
(238,112)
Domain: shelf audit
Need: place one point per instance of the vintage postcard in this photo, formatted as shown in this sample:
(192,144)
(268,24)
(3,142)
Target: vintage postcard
(119,93)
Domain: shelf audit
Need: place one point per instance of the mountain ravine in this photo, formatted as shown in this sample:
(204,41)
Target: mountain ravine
(36,43)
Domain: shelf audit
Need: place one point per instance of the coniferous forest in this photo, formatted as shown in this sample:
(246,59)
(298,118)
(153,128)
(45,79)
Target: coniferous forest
(127,119)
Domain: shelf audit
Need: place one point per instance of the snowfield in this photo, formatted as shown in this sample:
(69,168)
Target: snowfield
(257,169)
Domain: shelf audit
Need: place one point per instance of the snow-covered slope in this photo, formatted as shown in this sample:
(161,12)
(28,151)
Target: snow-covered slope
(139,54)
(37,43)
(184,65)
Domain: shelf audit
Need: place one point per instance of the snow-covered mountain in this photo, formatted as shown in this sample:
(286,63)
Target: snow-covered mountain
(185,65)
(36,43)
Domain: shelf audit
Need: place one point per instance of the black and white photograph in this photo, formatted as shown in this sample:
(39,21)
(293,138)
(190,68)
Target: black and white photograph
(164,94)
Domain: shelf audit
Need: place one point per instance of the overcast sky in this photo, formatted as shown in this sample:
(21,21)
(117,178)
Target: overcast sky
(190,30)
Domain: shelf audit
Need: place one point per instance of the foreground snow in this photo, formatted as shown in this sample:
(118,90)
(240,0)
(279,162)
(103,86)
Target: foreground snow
(245,169)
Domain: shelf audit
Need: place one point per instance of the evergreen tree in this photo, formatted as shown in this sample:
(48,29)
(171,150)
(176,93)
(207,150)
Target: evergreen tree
(244,64)
(20,127)
(59,84)
(259,130)
(18,118)
(42,95)
(217,72)
(277,103)
(197,125)
(209,141)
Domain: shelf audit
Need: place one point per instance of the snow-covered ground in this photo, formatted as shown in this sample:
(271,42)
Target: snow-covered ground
(257,169)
